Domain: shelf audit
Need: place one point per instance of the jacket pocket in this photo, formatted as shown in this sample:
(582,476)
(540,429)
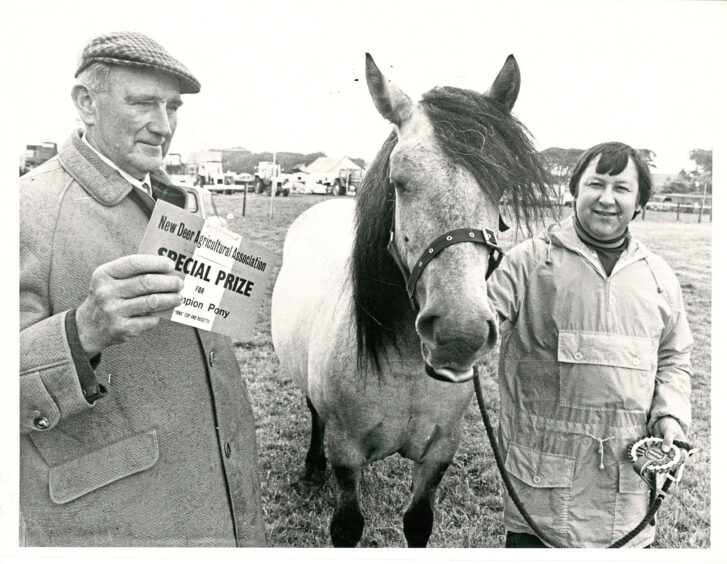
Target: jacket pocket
(629,482)
(544,483)
(75,478)
(605,371)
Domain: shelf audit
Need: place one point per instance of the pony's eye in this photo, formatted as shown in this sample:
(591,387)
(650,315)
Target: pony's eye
(399,186)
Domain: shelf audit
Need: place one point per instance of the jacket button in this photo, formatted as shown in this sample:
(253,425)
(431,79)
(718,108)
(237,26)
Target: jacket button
(212,358)
(578,355)
(228,450)
(536,479)
(635,360)
(41,423)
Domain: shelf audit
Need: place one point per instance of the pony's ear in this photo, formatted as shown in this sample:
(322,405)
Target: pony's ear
(391,102)
(507,84)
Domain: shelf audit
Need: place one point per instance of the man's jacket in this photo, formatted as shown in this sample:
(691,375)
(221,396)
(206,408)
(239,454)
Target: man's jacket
(588,363)
(167,455)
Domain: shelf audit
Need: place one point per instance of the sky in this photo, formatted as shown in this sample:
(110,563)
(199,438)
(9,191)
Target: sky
(289,76)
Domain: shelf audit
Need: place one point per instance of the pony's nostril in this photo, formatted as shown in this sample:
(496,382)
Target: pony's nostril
(426,326)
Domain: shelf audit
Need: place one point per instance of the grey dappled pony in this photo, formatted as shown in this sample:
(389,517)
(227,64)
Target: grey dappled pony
(343,325)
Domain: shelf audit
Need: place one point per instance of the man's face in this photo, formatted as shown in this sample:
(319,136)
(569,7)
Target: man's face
(606,204)
(134,121)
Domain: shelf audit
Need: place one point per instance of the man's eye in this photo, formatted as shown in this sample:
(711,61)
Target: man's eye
(594,184)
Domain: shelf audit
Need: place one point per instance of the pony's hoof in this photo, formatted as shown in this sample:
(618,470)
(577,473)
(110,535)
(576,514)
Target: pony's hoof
(309,487)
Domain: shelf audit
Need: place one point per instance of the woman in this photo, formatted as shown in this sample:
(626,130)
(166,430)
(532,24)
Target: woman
(594,355)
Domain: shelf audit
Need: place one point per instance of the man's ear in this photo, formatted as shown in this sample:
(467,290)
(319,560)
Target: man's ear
(85,103)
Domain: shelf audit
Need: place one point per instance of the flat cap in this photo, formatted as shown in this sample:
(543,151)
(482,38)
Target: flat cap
(133,49)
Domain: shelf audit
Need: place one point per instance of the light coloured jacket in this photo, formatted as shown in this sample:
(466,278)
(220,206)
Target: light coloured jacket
(168,455)
(587,360)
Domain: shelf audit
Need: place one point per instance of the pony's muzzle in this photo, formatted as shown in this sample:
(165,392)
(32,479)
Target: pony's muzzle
(455,342)
(450,352)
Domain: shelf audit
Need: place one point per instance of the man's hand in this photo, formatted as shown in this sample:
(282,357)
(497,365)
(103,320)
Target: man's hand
(668,429)
(123,296)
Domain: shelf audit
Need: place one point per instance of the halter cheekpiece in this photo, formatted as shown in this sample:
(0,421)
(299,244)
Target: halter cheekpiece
(485,236)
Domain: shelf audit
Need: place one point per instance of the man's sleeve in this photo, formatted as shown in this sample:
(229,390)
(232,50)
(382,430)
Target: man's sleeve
(50,382)
(673,374)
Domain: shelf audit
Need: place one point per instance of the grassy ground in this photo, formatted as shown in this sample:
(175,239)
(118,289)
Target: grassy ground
(469,499)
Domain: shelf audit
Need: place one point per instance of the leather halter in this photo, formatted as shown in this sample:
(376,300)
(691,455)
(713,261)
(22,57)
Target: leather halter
(485,236)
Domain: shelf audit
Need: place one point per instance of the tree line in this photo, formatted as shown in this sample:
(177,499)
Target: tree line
(242,160)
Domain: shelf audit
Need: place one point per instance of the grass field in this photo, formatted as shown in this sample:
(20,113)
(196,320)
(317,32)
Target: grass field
(469,502)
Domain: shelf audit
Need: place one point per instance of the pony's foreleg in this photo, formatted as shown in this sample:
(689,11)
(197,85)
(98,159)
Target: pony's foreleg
(347,522)
(313,474)
(419,516)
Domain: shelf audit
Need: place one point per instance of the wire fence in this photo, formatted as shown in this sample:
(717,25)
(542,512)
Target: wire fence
(667,211)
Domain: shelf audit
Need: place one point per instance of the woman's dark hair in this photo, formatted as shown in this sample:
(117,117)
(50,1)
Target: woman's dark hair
(614,158)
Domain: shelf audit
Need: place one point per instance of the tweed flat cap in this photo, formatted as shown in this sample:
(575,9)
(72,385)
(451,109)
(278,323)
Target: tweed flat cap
(132,49)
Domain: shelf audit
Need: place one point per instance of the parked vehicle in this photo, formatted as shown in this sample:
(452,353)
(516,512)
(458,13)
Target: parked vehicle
(265,174)
(347,182)
(36,155)
(245,178)
(686,203)
(224,183)
(182,180)
(200,202)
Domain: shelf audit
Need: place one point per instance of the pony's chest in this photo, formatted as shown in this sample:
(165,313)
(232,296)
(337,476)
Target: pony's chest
(416,425)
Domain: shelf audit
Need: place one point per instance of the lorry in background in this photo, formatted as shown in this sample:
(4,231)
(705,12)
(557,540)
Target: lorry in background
(223,183)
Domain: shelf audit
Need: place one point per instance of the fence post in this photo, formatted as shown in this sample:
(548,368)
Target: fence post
(701,208)
(677,211)
(643,213)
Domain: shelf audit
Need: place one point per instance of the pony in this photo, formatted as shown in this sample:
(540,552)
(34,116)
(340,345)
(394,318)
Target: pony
(382,357)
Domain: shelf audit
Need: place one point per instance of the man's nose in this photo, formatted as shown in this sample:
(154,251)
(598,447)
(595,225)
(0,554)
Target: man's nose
(160,123)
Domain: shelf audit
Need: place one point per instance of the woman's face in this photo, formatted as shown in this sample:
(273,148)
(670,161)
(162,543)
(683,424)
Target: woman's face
(605,204)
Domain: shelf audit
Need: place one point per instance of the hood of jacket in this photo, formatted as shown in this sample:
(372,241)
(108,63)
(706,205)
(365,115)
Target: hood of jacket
(564,235)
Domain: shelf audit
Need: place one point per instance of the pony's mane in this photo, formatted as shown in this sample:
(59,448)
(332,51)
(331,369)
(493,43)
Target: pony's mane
(474,132)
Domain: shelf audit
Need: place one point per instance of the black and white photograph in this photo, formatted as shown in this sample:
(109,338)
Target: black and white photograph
(371,275)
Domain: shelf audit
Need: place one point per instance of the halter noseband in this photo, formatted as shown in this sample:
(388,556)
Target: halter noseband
(485,236)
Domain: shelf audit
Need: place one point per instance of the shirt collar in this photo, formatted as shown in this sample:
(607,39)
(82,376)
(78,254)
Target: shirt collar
(126,176)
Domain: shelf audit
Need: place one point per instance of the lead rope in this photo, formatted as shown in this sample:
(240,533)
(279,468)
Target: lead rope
(656,498)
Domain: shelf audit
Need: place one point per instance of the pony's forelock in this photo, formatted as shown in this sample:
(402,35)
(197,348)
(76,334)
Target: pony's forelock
(478,134)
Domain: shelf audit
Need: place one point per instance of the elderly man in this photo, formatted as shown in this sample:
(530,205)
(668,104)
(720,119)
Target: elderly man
(133,431)
(594,355)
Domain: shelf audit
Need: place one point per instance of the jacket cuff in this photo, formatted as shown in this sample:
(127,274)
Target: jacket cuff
(92,390)
(652,424)
(49,386)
